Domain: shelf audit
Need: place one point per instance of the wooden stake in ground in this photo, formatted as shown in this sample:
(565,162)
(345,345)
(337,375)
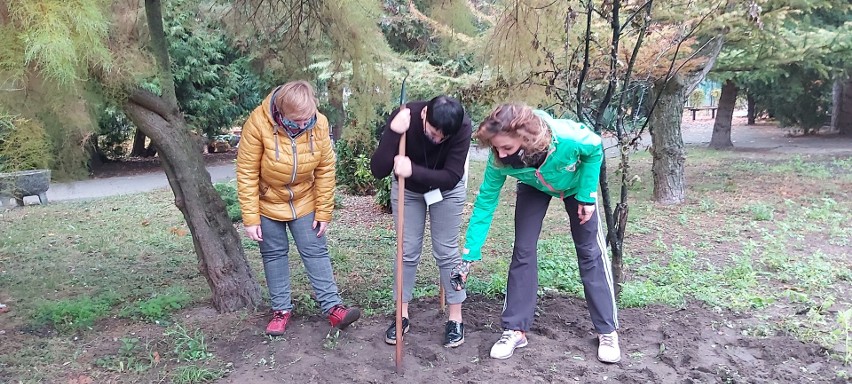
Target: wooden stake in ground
(442,299)
(400,227)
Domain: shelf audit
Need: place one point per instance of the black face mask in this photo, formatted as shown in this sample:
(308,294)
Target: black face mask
(514,160)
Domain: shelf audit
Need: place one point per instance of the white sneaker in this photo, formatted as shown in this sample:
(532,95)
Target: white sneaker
(608,350)
(505,347)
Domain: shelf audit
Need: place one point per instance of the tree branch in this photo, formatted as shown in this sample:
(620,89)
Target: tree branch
(585,70)
(638,11)
(613,64)
(151,102)
(154,13)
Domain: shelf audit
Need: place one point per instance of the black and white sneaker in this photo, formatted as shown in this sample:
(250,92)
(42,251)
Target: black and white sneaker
(390,334)
(453,334)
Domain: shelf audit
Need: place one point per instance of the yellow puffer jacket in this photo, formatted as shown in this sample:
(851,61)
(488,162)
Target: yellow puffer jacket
(280,177)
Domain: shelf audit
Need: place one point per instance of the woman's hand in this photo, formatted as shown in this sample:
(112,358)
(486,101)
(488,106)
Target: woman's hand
(322,227)
(585,212)
(253,232)
(402,120)
(458,277)
(402,166)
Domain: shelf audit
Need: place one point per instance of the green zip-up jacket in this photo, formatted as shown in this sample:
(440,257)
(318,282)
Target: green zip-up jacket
(572,167)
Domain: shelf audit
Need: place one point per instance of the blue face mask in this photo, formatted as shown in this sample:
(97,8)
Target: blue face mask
(292,126)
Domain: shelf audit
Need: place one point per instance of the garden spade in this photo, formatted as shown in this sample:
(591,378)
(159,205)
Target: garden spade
(400,205)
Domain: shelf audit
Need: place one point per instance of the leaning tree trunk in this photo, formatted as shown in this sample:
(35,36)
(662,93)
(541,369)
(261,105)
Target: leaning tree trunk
(667,143)
(721,138)
(841,116)
(221,258)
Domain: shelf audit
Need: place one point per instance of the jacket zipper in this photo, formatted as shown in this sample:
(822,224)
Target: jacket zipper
(293,177)
(541,178)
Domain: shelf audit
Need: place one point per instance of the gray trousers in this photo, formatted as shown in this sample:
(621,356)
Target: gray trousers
(522,286)
(276,262)
(445,223)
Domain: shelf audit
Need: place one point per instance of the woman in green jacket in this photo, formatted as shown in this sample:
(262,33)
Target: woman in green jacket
(549,158)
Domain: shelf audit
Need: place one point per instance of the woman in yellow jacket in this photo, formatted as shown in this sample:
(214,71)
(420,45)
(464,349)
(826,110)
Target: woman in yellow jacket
(285,179)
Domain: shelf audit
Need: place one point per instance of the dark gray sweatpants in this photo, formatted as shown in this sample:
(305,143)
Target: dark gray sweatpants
(521,289)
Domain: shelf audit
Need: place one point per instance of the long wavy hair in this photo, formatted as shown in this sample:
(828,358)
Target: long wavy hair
(515,120)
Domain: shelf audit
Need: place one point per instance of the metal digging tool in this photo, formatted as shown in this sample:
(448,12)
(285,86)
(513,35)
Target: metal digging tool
(400,205)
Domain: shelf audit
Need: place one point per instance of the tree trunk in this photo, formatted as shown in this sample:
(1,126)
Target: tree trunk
(335,99)
(752,113)
(841,116)
(96,158)
(160,48)
(221,258)
(151,151)
(667,142)
(724,116)
(139,149)
(666,139)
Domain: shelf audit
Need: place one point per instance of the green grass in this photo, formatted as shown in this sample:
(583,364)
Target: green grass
(132,357)
(158,307)
(132,247)
(686,276)
(189,345)
(193,374)
(77,313)
(761,212)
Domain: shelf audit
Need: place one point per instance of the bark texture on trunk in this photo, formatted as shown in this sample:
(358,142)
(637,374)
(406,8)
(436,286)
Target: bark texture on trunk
(841,116)
(335,99)
(667,142)
(159,45)
(752,112)
(721,138)
(221,258)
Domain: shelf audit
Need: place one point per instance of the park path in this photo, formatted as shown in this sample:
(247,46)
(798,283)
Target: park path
(763,137)
(122,185)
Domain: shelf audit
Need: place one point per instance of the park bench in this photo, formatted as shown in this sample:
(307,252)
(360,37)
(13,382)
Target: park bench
(696,109)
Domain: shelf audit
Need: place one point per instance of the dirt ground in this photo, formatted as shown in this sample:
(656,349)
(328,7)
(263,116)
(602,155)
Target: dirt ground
(659,345)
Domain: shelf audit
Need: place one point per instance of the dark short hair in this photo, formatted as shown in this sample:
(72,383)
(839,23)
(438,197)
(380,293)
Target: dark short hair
(445,114)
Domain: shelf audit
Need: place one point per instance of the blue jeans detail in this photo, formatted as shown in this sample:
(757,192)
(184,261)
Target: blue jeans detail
(314,252)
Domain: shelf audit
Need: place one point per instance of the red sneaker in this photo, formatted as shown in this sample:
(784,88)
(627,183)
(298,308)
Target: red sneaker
(278,323)
(341,317)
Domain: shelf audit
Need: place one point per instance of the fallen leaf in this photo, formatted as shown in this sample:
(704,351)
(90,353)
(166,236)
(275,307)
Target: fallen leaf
(82,379)
(145,223)
(156,357)
(178,231)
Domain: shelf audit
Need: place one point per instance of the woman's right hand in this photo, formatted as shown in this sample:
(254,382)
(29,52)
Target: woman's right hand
(253,232)
(458,277)
(401,121)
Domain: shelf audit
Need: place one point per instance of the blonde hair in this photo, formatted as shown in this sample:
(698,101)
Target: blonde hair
(296,100)
(515,120)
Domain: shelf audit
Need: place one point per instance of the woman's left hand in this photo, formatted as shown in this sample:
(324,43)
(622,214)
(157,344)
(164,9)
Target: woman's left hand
(402,166)
(585,212)
(322,227)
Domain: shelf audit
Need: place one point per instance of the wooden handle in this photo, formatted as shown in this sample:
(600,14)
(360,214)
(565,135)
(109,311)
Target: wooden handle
(400,227)
(441,293)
